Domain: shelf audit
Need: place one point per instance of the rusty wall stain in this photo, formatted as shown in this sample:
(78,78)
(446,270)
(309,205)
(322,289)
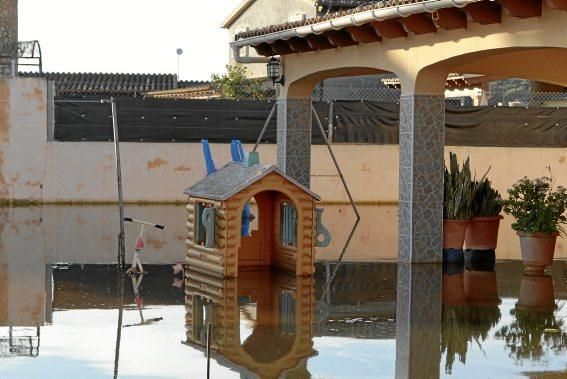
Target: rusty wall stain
(36,94)
(155,243)
(562,159)
(156,163)
(184,168)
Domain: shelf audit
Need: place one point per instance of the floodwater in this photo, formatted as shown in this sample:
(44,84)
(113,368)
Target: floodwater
(66,311)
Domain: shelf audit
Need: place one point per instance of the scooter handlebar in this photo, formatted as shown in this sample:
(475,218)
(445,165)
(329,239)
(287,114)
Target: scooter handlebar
(157,226)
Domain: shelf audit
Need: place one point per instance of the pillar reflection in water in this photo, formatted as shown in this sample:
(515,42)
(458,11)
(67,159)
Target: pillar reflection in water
(418,320)
(261,321)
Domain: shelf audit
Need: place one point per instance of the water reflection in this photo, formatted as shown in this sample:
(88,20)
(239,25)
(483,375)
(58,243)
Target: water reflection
(536,331)
(25,294)
(418,320)
(87,234)
(261,322)
(379,320)
(470,309)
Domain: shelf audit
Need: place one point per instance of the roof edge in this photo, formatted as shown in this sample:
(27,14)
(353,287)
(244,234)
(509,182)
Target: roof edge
(340,20)
(236,13)
(269,170)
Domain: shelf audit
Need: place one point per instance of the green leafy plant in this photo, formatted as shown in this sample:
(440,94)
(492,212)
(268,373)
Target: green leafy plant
(458,190)
(487,202)
(236,85)
(537,206)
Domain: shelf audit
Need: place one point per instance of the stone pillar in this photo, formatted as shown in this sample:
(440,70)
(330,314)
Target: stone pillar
(8,21)
(8,28)
(420,214)
(294,138)
(418,321)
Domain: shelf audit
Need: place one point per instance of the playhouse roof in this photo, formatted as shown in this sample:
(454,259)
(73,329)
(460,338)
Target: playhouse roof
(233,178)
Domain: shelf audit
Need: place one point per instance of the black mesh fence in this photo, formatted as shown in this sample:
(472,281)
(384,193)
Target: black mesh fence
(365,122)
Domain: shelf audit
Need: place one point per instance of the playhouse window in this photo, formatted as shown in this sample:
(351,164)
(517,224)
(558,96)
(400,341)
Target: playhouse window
(288,224)
(200,235)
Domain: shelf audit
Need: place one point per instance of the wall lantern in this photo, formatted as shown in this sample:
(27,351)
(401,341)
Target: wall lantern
(274,71)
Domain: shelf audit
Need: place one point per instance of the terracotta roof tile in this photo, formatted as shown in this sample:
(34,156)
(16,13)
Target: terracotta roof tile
(314,20)
(86,83)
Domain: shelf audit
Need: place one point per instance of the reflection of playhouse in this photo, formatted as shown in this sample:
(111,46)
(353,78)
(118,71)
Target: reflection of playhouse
(281,339)
(286,235)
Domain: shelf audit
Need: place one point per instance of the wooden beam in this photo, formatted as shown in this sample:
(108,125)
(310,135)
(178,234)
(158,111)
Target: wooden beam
(484,12)
(522,8)
(450,18)
(339,38)
(363,34)
(419,23)
(299,45)
(318,42)
(281,47)
(389,29)
(264,49)
(557,4)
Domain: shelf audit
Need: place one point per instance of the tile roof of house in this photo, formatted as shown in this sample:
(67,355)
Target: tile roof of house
(314,20)
(86,83)
(197,91)
(233,178)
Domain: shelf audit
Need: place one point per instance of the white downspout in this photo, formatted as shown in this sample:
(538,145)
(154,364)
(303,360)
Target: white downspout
(246,60)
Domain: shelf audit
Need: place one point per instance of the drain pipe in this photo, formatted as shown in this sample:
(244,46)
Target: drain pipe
(356,19)
(246,60)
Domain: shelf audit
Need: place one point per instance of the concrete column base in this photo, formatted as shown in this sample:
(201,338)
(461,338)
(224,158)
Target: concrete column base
(420,214)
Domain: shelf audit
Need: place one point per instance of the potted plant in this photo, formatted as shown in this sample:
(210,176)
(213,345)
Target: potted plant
(457,203)
(540,213)
(482,231)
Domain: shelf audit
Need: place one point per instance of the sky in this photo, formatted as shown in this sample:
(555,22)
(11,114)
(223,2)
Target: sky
(129,36)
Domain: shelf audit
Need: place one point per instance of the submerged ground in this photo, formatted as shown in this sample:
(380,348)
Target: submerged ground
(65,310)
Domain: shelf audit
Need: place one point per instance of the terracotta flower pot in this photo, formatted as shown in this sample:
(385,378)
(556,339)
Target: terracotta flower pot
(537,250)
(454,233)
(481,288)
(536,293)
(482,233)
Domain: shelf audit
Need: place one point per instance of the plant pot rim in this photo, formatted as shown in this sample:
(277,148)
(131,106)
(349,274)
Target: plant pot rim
(537,234)
(486,218)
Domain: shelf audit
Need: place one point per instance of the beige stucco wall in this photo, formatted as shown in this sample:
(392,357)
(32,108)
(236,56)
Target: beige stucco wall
(263,13)
(87,234)
(33,169)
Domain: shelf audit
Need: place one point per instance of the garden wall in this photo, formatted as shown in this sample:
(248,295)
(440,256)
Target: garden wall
(31,168)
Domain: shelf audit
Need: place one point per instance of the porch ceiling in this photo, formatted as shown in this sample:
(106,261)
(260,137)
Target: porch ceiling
(349,27)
